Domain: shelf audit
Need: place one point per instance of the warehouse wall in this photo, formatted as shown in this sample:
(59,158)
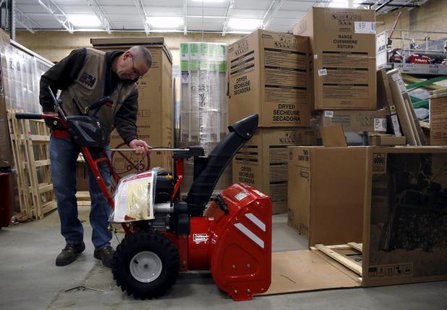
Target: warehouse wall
(54,45)
(429,17)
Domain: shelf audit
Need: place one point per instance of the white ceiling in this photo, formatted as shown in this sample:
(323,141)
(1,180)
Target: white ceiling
(129,15)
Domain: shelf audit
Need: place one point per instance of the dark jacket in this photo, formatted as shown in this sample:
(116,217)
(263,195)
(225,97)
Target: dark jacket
(66,73)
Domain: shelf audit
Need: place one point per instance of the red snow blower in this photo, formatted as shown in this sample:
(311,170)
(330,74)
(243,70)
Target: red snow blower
(230,234)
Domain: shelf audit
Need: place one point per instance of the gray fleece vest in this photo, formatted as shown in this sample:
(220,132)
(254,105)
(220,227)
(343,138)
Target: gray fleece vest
(88,88)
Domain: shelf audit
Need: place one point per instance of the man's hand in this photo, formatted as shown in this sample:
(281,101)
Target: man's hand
(140,146)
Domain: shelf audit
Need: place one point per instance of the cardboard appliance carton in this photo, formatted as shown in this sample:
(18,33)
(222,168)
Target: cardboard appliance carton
(438,118)
(343,44)
(326,189)
(403,218)
(262,162)
(268,75)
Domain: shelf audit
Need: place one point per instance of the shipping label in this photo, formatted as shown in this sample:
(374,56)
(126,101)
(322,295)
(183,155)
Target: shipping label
(365,27)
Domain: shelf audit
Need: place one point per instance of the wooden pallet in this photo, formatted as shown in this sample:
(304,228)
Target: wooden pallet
(343,254)
(30,144)
(83,198)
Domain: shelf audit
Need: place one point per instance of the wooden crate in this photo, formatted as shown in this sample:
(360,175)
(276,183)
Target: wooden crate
(30,144)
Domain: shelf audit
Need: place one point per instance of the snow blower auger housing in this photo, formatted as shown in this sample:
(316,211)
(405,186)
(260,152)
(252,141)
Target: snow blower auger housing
(230,235)
(232,238)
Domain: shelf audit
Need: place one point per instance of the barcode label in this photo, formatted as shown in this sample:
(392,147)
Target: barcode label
(365,27)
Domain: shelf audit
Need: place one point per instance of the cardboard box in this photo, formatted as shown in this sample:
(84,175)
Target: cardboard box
(404,219)
(333,136)
(269,76)
(403,240)
(386,140)
(343,44)
(352,120)
(155,106)
(438,118)
(262,162)
(326,189)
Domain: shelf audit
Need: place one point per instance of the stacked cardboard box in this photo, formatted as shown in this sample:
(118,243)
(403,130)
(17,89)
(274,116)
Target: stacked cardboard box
(343,45)
(155,107)
(269,76)
(326,183)
(438,118)
(395,233)
(262,162)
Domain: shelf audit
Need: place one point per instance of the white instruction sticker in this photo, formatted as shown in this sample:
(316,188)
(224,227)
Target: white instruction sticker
(200,238)
(241,195)
(365,27)
(329,114)
(380,124)
(322,72)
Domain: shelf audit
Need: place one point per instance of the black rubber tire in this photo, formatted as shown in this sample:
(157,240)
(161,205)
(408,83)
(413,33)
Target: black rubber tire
(156,243)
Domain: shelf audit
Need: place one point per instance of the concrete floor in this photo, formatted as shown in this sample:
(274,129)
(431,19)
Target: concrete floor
(29,279)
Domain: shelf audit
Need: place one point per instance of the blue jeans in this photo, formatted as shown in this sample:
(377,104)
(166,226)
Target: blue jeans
(63,155)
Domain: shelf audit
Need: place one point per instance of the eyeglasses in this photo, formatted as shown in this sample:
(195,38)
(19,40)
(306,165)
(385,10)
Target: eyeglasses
(134,70)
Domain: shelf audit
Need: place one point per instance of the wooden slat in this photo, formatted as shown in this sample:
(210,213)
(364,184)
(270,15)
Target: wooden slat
(39,138)
(43,188)
(83,195)
(48,207)
(41,163)
(356,246)
(339,247)
(83,198)
(82,203)
(340,258)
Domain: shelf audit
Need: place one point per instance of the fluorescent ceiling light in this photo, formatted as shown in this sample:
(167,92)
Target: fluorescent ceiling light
(344,3)
(209,1)
(244,23)
(165,22)
(84,20)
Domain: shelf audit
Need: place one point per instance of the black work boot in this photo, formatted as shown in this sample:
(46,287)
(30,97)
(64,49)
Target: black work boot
(105,254)
(69,254)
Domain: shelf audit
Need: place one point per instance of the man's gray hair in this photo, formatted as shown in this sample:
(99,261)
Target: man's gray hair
(141,51)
